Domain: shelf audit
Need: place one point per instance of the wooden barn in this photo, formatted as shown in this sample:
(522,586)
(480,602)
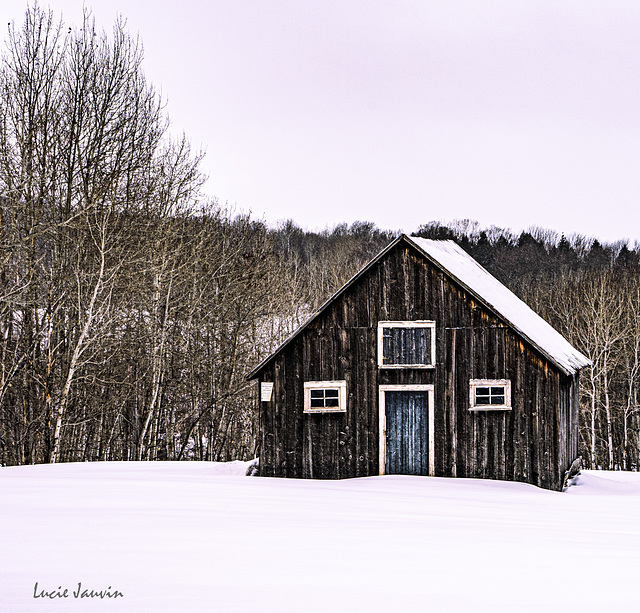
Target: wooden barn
(422,364)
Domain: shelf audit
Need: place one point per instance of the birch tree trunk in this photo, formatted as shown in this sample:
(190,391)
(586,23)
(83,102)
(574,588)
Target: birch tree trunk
(80,347)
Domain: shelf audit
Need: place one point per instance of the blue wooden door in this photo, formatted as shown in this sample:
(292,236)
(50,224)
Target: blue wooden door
(407,425)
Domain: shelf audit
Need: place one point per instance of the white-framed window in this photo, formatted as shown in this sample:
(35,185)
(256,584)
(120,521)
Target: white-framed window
(325,396)
(489,395)
(406,344)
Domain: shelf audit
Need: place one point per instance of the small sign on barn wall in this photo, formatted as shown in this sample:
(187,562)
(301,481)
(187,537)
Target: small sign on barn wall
(266,390)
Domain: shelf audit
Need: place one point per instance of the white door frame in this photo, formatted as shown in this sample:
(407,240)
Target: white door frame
(382,449)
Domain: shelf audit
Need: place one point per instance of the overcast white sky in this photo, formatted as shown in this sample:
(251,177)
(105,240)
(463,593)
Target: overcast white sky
(401,112)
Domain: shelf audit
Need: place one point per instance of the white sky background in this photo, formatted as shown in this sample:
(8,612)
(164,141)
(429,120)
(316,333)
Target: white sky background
(401,112)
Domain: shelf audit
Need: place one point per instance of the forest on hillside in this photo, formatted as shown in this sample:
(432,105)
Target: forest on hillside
(132,307)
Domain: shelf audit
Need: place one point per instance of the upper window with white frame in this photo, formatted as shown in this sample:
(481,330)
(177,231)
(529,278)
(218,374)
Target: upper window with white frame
(406,344)
(489,394)
(325,396)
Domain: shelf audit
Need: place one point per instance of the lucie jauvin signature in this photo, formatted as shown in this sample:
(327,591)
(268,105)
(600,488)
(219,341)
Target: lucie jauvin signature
(79,592)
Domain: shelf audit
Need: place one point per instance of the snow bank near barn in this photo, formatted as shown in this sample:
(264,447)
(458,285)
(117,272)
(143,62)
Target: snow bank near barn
(178,536)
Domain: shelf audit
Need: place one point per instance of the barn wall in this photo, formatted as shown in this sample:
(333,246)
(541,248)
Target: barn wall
(534,442)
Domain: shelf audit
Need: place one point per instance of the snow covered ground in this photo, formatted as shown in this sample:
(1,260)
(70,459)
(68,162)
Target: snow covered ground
(194,536)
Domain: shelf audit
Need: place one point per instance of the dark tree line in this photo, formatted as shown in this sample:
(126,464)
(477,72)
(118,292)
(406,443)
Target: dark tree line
(132,307)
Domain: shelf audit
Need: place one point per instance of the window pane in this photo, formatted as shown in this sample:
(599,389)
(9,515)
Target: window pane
(487,395)
(395,345)
(406,345)
(386,346)
(324,398)
(423,346)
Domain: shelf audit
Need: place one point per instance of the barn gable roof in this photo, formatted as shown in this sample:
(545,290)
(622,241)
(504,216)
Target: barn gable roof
(484,287)
(502,301)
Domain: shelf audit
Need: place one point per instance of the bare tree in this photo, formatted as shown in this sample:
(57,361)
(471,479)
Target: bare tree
(81,136)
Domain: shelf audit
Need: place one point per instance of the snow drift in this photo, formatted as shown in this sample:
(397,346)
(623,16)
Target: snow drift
(194,536)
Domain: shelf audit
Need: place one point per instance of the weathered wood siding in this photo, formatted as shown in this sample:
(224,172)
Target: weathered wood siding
(534,442)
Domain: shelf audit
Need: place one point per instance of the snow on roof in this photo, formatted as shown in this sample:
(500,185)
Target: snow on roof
(463,268)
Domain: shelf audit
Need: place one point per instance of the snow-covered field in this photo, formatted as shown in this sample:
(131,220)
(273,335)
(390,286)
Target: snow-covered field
(192,536)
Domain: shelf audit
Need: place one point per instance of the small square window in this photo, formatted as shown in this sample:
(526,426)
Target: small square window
(325,396)
(489,394)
